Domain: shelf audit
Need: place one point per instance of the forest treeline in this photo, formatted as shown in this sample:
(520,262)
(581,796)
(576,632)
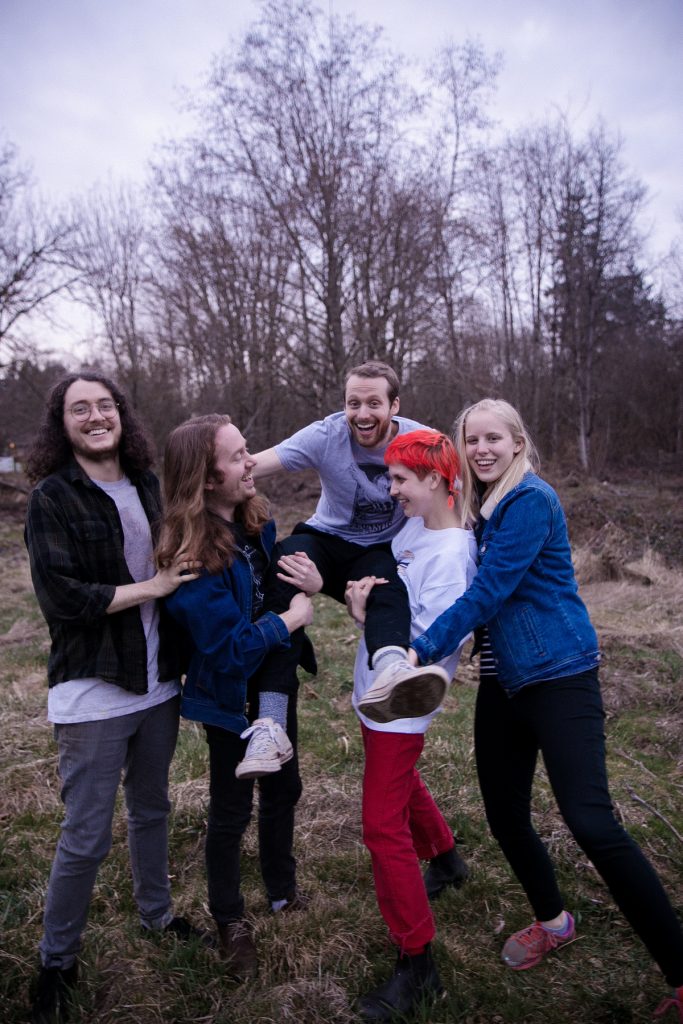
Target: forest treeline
(335,203)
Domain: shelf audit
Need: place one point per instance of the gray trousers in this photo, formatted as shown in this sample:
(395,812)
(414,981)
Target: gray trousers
(92,758)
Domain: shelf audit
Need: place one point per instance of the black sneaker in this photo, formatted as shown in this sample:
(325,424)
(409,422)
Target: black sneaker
(443,870)
(185,931)
(52,993)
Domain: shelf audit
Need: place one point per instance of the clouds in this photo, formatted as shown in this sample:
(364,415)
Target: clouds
(90,88)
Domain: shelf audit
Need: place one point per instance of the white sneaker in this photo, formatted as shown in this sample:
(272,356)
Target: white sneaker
(404,691)
(268,749)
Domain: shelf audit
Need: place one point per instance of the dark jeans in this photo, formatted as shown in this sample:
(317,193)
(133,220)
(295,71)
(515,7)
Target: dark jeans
(387,620)
(230,807)
(563,719)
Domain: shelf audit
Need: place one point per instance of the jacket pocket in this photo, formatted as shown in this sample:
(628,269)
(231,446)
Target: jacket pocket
(531,639)
(91,529)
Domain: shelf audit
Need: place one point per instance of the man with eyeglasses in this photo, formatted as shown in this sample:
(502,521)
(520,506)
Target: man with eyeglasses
(113,671)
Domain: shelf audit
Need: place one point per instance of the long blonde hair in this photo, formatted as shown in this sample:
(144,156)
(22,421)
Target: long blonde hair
(525,460)
(188,524)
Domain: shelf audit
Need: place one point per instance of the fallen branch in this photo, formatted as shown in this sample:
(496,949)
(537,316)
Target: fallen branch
(653,810)
(634,760)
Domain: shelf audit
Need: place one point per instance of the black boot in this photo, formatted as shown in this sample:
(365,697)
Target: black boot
(52,994)
(443,870)
(415,980)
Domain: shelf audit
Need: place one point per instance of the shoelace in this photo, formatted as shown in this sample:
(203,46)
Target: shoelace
(259,737)
(536,933)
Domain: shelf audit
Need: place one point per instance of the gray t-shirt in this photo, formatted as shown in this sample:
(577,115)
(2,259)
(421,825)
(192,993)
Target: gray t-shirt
(355,502)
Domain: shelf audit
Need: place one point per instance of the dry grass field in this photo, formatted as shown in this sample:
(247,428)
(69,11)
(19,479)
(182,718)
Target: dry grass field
(314,965)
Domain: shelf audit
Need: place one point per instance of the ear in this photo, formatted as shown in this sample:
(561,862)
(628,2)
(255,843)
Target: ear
(518,445)
(434,480)
(210,484)
(395,406)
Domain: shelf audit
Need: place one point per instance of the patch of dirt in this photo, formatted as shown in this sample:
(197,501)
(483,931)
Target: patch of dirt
(621,519)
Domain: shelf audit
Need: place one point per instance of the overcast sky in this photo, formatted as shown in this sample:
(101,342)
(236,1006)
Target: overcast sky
(88,87)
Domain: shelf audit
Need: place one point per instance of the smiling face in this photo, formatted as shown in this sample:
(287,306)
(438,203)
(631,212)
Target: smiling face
(489,445)
(413,494)
(369,411)
(231,482)
(96,438)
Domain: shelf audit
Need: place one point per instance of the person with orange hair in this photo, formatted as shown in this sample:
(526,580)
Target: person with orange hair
(401,821)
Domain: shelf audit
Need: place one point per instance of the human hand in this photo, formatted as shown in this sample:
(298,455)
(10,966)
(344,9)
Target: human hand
(301,607)
(412,657)
(301,571)
(181,570)
(356,596)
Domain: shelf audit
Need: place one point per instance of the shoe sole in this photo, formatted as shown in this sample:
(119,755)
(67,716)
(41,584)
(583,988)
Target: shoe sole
(253,769)
(409,698)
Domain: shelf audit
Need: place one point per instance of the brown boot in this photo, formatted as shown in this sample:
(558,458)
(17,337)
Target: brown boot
(236,947)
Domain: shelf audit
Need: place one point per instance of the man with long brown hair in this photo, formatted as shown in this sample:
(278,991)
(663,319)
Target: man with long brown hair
(112,671)
(215,515)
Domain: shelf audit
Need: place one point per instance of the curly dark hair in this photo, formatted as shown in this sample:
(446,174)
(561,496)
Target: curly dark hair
(51,448)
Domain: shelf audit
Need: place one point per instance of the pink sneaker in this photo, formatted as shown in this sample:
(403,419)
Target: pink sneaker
(527,948)
(673,1002)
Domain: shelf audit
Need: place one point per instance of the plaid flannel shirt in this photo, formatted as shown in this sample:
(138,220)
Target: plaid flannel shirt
(74,539)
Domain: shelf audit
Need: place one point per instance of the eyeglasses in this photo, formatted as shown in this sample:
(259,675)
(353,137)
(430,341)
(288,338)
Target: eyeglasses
(106,406)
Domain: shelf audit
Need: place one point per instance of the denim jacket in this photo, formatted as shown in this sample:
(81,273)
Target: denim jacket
(226,647)
(525,592)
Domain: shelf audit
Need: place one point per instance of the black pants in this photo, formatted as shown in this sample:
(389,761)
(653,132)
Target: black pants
(230,808)
(387,621)
(563,719)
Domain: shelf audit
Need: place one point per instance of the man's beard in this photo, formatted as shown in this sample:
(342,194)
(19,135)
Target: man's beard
(97,454)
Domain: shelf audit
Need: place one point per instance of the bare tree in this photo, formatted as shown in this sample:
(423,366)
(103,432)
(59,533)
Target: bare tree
(306,120)
(109,251)
(34,251)
(460,80)
(596,205)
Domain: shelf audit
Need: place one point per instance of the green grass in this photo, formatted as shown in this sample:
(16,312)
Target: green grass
(314,965)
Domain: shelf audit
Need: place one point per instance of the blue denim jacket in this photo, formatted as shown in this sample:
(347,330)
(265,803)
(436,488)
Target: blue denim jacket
(525,592)
(226,647)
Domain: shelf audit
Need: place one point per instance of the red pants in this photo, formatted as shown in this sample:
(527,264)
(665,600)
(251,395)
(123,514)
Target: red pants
(401,826)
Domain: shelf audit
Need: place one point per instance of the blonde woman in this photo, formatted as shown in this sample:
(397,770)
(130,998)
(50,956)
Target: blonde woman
(539,692)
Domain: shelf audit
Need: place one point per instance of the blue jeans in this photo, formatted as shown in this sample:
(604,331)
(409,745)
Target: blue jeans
(92,756)
(563,720)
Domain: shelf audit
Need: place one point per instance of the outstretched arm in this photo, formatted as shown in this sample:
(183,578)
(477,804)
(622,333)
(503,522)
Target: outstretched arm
(267,463)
